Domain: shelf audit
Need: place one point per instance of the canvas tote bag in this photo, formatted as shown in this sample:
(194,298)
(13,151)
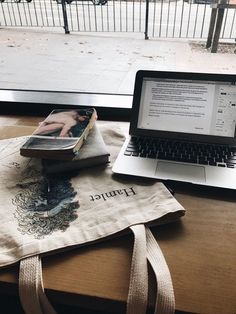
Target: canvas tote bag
(41,214)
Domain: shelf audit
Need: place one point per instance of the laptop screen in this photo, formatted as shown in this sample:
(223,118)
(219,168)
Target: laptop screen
(188,106)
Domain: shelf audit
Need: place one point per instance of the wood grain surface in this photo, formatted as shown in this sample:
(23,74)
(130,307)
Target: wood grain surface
(200,251)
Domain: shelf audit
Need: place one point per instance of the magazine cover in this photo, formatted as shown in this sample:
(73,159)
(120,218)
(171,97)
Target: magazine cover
(63,131)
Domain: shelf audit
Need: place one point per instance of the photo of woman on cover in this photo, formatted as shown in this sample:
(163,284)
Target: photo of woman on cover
(62,131)
(65,123)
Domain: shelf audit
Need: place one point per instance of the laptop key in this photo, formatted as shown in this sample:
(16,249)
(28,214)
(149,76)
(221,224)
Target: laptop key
(161,155)
(230,165)
(127,153)
(194,160)
(131,150)
(143,154)
(232,161)
(152,155)
(178,158)
(212,163)
(186,160)
(203,162)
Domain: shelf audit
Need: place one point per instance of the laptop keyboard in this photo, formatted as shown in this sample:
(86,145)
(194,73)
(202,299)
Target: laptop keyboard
(198,153)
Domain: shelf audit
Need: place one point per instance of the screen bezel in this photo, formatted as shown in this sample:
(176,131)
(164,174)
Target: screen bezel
(141,74)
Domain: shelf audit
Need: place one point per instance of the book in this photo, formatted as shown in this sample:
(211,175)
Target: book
(61,135)
(94,152)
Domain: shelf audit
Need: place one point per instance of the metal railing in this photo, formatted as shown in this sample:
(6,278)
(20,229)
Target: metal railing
(164,18)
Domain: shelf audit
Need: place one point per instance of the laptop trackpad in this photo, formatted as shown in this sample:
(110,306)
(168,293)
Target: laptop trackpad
(180,172)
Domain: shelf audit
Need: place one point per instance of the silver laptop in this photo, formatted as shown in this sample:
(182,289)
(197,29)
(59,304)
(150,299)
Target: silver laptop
(182,128)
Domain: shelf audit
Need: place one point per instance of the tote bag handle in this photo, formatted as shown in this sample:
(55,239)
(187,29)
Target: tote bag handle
(32,296)
(146,248)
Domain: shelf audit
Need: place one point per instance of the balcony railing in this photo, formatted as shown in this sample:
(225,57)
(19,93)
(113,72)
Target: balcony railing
(164,18)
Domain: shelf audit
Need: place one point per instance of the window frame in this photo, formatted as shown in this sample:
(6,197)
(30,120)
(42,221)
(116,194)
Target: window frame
(41,103)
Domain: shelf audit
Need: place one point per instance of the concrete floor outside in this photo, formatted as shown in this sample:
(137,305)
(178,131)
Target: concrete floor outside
(35,59)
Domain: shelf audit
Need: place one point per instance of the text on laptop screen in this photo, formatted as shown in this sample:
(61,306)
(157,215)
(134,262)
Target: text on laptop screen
(197,107)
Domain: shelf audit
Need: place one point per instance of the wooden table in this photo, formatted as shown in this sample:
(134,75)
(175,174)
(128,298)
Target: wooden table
(200,251)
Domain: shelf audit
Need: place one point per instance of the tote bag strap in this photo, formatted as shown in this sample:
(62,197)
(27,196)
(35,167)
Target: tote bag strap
(138,286)
(165,300)
(34,300)
(31,290)
(146,248)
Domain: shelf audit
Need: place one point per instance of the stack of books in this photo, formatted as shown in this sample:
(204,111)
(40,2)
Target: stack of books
(67,140)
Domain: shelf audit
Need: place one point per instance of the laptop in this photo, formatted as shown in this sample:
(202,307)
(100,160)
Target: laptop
(182,128)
